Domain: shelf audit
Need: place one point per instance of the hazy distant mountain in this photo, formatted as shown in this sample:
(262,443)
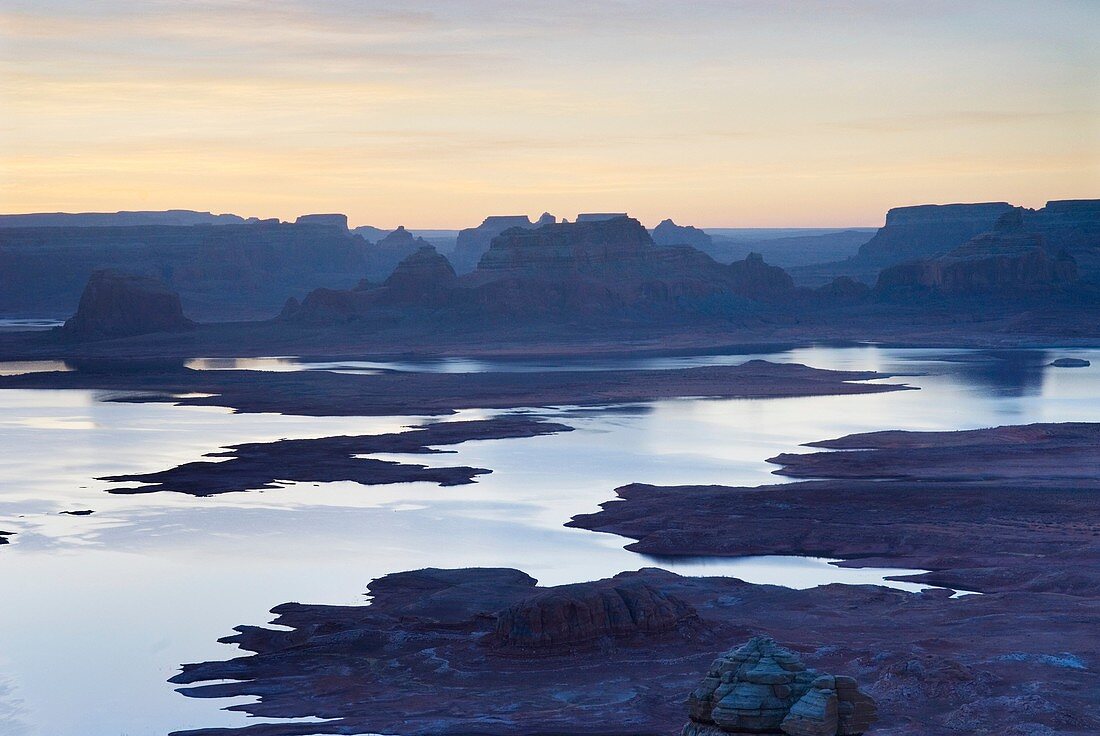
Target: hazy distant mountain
(221,272)
(121,219)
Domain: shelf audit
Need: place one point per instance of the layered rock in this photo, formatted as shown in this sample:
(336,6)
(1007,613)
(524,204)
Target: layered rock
(120,305)
(602,270)
(382,257)
(669,233)
(424,275)
(474,241)
(222,272)
(755,279)
(325,220)
(619,243)
(599,216)
(923,231)
(762,688)
(582,616)
(121,219)
(1070,226)
(1006,263)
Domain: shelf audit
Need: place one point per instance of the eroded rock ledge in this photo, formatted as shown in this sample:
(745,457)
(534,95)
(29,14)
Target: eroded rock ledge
(1005,509)
(318,393)
(260,465)
(435,653)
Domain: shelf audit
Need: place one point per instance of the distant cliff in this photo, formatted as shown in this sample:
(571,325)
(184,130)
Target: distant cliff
(669,233)
(1008,265)
(221,272)
(121,305)
(929,230)
(384,256)
(474,241)
(595,271)
(121,219)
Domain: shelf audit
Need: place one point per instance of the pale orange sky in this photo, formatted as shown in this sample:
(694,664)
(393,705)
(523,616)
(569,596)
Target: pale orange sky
(435,114)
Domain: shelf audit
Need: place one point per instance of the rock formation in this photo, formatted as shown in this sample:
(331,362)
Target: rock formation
(619,243)
(912,233)
(598,216)
(223,272)
(586,615)
(990,263)
(474,241)
(122,219)
(326,220)
(120,305)
(422,276)
(599,271)
(1070,226)
(1070,363)
(757,280)
(669,233)
(382,257)
(761,688)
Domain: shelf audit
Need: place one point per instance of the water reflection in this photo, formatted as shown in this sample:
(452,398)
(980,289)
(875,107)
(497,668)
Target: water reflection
(109,604)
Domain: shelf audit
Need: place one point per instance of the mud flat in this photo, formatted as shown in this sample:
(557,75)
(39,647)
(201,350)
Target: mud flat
(314,393)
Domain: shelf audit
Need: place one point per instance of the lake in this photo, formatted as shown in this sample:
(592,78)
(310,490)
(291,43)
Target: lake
(103,608)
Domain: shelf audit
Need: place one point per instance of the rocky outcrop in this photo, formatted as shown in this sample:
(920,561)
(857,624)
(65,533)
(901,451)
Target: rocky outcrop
(552,250)
(1070,363)
(928,230)
(325,220)
(991,263)
(586,615)
(599,216)
(669,233)
(474,241)
(755,279)
(842,290)
(120,305)
(596,271)
(1069,226)
(382,257)
(222,272)
(762,688)
(424,275)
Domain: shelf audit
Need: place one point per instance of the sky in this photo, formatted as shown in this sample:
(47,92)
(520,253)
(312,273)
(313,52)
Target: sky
(753,113)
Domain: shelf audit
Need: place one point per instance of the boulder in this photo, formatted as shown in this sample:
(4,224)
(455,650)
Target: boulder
(762,688)
(116,304)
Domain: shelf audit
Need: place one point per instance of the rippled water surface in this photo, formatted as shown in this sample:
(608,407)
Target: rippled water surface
(101,609)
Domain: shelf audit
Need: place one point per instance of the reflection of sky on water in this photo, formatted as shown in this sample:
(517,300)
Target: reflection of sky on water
(107,606)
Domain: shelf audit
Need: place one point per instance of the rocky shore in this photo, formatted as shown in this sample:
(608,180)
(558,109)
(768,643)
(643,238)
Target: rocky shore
(317,393)
(490,652)
(260,465)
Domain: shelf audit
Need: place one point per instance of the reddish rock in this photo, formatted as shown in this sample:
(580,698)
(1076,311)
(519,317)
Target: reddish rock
(581,616)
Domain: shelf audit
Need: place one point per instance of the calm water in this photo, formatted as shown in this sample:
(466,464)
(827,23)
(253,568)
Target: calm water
(102,609)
